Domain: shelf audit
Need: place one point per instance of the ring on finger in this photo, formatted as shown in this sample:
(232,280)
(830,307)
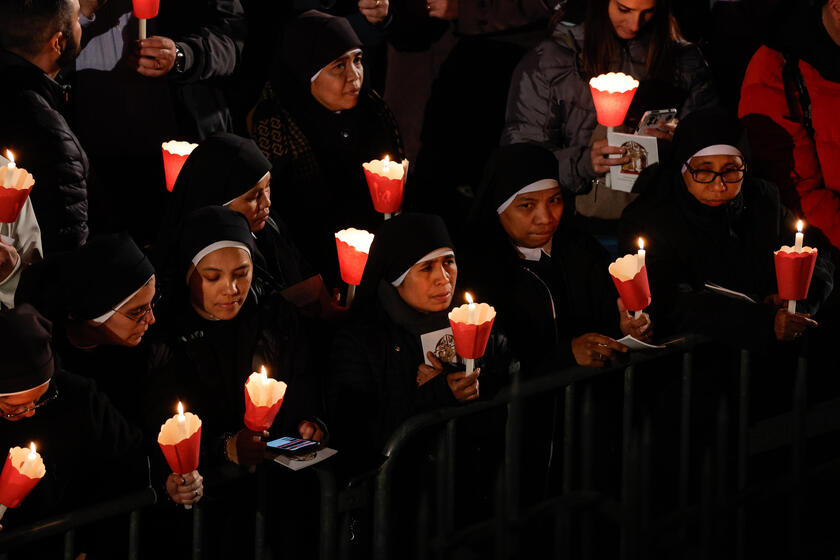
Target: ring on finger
(157,64)
(196,493)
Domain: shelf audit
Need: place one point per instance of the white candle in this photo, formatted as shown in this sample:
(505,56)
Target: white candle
(263,390)
(141,28)
(640,256)
(800,237)
(182,422)
(471,309)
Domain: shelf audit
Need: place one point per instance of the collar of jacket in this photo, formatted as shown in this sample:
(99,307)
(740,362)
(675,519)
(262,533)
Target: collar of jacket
(27,76)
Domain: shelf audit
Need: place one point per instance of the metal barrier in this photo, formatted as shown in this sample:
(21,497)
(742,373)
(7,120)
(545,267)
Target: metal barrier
(578,499)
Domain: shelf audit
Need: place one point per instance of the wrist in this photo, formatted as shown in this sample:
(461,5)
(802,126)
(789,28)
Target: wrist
(230,449)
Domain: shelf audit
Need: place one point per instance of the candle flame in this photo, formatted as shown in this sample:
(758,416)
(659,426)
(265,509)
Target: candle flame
(799,226)
(469,297)
(32,453)
(180,410)
(11,157)
(641,243)
(386,160)
(264,375)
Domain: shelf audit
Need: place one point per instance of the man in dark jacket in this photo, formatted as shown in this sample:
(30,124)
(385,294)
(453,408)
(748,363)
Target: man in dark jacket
(37,39)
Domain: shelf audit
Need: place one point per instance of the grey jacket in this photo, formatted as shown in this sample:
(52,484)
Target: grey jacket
(549,101)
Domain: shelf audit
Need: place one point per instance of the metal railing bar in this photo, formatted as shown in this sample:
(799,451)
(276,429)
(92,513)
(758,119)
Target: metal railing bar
(743,449)
(626,463)
(685,425)
(329,512)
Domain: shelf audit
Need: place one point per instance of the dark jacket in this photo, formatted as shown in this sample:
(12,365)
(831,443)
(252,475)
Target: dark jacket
(543,305)
(689,244)
(35,129)
(205,364)
(372,387)
(550,102)
(316,158)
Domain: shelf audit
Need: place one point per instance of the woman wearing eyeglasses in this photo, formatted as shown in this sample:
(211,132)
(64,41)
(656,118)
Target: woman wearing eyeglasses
(706,221)
(100,299)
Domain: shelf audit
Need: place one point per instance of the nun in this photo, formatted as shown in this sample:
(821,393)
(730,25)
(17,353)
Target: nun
(231,171)
(100,299)
(317,122)
(396,358)
(215,333)
(90,452)
(549,282)
(709,222)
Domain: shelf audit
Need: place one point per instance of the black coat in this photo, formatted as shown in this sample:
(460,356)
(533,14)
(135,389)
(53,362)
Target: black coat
(689,244)
(35,129)
(205,364)
(372,386)
(90,452)
(542,306)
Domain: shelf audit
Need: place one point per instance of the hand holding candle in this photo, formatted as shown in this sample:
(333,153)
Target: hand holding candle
(794,268)
(175,154)
(180,442)
(629,274)
(23,469)
(353,246)
(263,398)
(15,186)
(471,326)
(386,181)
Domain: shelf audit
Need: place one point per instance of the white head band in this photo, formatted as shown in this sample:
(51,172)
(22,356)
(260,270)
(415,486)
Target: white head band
(47,382)
(267,173)
(351,52)
(715,150)
(541,185)
(105,316)
(442,252)
(215,247)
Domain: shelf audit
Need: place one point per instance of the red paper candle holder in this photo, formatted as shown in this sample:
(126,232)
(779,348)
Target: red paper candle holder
(386,182)
(471,332)
(612,94)
(182,456)
(11,203)
(14,486)
(352,246)
(175,154)
(793,273)
(635,293)
(146,9)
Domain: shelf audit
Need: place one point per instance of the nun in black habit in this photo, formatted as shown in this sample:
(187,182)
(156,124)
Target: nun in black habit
(387,364)
(90,452)
(317,122)
(707,220)
(100,299)
(549,282)
(228,170)
(216,332)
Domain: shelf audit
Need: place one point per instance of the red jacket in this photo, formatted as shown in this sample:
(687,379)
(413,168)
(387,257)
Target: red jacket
(806,170)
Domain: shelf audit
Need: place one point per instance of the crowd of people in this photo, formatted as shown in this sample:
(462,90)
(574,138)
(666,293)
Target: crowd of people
(119,299)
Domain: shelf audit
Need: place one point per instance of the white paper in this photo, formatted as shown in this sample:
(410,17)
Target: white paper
(298,464)
(441,343)
(636,344)
(642,151)
(729,293)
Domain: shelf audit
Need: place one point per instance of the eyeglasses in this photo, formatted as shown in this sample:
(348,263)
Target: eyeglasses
(49,396)
(709,176)
(139,314)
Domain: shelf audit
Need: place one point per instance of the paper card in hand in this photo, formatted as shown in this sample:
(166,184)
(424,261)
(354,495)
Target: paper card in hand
(794,271)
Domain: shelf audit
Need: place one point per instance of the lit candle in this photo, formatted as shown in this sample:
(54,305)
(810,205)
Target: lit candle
(800,237)
(471,325)
(182,422)
(23,469)
(470,308)
(30,466)
(175,154)
(640,256)
(386,181)
(263,398)
(352,246)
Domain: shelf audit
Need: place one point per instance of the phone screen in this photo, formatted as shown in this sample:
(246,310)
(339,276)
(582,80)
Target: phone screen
(291,444)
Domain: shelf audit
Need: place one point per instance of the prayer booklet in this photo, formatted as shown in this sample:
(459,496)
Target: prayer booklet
(441,343)
(642,151)
(298,464)
(728,293)
(636,344)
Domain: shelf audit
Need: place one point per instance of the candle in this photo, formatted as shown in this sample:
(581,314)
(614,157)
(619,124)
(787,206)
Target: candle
(386,181)
(143,10)
(182,422)
(352,246)
(175,154)
(800,237)
(471,326)
(640,256)
(180,441)
(263,398)
(612,94)
(15,186)
(470,308)
(23,469)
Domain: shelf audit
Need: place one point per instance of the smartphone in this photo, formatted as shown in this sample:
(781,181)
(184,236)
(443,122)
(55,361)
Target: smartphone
(652,119)
(293,446)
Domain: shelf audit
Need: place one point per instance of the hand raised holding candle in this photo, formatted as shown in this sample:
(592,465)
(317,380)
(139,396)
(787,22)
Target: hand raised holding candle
(185,489)
(246,448)
(637,328)
(790,326)
(464,387)
(155,56)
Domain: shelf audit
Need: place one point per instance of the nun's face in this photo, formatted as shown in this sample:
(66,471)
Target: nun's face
(717,168)
(220,283)
(338,85)
(255,203)
(532,218)
(429,286)
(22,405)
(130,322)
